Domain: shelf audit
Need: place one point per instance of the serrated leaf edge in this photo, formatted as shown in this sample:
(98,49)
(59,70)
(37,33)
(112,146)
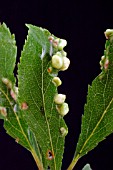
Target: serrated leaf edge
(22,131)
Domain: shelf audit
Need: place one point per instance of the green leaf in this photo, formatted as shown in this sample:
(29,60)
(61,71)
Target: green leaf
(7,59)
(8,52)
(87,167)
(36,93)
(30,116)
(14,123)
(97,121)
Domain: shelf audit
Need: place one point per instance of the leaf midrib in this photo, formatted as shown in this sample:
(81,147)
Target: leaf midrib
(46,116)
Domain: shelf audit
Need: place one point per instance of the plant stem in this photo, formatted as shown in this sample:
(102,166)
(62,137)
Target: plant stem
(38,163)
(73,163)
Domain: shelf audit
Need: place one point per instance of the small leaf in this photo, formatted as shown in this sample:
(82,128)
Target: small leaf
(87,167)
(97,121)
(37,91)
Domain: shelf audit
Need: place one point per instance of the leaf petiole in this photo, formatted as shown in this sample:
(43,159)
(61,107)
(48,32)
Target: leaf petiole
(38,163)
(73,163)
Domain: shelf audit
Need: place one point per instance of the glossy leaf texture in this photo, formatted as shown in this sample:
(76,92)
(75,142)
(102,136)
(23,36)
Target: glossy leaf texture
(97,121)
(36,97)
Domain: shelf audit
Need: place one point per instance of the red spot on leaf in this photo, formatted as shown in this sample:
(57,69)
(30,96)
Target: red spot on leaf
(106,64)
(24,106)
(50,38)
(49,70)
(13,95)
(50,155)
(3,111)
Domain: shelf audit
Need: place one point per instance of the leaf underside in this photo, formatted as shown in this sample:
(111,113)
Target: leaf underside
(97,121)
(37,127)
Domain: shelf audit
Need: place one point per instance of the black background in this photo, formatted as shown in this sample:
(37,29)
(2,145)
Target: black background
(82,24)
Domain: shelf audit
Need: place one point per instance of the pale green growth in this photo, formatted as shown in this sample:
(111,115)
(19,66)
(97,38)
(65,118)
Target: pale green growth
(64,54)
(16,90)
(66,63)
(62,43)
(57,82)
(103,57)
(57,61)
(63,109)
(59,98)
(108,33)
(59,53)
(58,43)
(63,131)
(7,82)
(100,63)
(3,111)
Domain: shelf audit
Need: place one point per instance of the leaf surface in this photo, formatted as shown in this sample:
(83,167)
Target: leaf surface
(97,121)
(37,91)
(15,126)
(14,123)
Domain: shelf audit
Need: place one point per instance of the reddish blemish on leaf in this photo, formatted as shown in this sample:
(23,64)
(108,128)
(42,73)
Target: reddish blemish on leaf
(13,95)
(24,106)
(50,38)
(55,43)
(3,111)
(49,70)
(106,64)
(7,82)
(50,155)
